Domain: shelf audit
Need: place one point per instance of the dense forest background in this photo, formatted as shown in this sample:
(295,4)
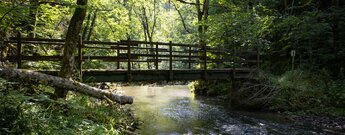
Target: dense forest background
(313,28)
(312,83)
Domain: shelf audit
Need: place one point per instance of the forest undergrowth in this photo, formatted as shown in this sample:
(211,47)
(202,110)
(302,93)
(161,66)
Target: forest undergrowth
(28,109)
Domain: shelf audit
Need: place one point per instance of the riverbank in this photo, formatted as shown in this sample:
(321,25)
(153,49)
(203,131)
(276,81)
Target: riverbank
(302,96)
(334,125)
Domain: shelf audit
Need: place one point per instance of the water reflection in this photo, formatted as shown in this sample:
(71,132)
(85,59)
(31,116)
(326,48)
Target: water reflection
(174,110)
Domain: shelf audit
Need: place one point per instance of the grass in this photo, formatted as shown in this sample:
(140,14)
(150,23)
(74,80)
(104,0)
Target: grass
(27,109)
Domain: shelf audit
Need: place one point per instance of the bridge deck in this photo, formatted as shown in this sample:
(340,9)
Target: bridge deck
(158,75)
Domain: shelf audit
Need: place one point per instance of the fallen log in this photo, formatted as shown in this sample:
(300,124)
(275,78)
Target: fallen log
(18,74)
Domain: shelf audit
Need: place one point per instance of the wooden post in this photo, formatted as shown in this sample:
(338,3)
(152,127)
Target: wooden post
(170,61)
(118,55)
(190,58)
(80,57)
(129,74)
(19,50)
(156,62)
(205,61)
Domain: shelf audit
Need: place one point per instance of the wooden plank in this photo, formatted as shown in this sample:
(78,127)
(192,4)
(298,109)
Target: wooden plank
(162,43)
(108,43)
(36,42)
(84,58)
(42,58)
(157,75)
(126,60)
(184,60)
(109,58)
(160,55)
(38,39)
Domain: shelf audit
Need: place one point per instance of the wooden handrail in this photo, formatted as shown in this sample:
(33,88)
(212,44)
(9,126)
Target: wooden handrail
(186,53)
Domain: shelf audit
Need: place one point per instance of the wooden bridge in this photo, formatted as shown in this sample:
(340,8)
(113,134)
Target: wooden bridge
(168,61)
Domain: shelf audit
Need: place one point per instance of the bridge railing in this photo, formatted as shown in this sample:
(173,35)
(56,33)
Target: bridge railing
(163,56)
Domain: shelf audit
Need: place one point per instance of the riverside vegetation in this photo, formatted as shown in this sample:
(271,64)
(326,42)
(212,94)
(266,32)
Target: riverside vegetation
(27,108)
(300,95)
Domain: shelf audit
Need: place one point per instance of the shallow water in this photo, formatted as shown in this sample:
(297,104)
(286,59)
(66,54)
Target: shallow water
(174,110)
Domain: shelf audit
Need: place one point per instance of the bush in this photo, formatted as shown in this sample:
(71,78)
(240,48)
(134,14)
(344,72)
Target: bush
(299,91)
(210,88)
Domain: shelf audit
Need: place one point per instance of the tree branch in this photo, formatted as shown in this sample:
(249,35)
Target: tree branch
(183,22)
(199,4)
(54,3)
(9,11)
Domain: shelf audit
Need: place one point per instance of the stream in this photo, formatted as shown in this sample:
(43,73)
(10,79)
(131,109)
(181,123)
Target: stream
(173,110)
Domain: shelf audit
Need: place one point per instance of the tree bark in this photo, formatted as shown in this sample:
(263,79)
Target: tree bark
(63,83)
(70,46)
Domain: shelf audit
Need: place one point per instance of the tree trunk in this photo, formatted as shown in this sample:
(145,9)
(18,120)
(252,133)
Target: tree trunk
(63,83)
(70,46)
(200,29)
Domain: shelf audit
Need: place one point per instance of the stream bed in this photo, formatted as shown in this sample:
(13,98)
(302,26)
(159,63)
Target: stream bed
(174,110)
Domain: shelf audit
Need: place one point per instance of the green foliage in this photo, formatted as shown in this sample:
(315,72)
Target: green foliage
(210,88)
(50,22)
(24,113)
(308,92)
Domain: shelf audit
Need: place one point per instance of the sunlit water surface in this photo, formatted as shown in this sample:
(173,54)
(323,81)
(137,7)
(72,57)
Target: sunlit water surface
(174,110)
